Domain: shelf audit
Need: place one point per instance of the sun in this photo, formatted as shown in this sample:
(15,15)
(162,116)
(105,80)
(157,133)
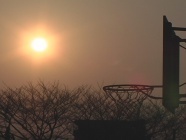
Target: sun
(39,44)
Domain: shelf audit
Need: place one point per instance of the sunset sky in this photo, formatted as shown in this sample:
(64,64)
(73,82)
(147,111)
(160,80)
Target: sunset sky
(89,41)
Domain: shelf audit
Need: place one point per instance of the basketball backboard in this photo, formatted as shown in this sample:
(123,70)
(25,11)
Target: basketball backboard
(171,54)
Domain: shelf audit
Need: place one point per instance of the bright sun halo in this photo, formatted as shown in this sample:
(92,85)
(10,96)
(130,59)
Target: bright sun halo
(39,44)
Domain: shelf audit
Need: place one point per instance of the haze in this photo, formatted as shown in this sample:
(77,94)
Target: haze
(93,42)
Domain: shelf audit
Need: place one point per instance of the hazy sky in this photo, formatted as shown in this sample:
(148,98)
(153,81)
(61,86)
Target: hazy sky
(90,41)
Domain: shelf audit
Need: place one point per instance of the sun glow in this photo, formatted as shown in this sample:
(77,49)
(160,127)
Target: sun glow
(39,44)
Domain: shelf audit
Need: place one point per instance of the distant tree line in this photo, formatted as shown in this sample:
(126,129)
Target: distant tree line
(48,111)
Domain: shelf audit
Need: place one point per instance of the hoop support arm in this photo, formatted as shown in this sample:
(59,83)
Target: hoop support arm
(179,28)
(182,102)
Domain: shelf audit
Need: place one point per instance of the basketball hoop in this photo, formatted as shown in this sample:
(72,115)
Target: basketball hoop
(130,97)
(134,91)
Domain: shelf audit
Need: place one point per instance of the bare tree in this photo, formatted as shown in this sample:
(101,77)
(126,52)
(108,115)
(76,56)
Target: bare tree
(38,112)
(48,111)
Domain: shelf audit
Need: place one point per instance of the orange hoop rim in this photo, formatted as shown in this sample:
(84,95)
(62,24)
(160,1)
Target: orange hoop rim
(132,88)
(128,87)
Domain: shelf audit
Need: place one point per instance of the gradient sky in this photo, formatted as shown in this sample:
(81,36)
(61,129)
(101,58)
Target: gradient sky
(93,41)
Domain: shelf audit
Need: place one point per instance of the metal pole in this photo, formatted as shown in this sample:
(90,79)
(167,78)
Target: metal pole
(174,134)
